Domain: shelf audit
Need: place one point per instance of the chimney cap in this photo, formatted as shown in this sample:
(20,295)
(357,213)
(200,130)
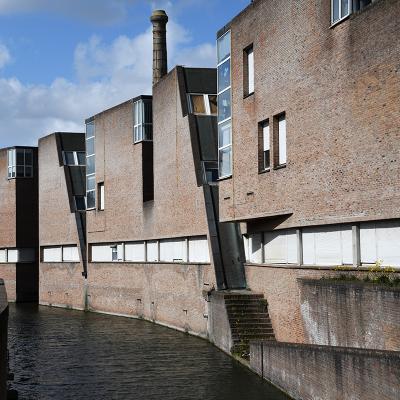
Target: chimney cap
(159,15)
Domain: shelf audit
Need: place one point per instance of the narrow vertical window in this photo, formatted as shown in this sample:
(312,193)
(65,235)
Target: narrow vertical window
(101,196)
(90,166)
(264,146)
(20,163)
(224,106)
(341,9)
(282,139)
(142,120)
(248,71)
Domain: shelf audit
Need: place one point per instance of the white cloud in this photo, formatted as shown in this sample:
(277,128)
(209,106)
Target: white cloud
(5,56)
(108,73)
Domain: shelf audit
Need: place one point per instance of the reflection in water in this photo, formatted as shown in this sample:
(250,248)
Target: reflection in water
(62,354)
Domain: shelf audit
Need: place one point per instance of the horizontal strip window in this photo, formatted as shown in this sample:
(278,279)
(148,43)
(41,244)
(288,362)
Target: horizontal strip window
(330,245)
(177,250)
(59,254)
(24,255)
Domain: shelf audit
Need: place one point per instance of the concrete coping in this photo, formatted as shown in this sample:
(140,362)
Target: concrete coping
(335,349)
(348,283)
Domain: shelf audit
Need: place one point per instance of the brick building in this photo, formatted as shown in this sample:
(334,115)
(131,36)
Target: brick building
(309,122)
(62,226)
(19,222)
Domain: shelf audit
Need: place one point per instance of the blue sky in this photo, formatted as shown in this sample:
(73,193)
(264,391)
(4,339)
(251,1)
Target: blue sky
(64,60)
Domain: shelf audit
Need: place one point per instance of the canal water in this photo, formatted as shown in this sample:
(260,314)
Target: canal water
(59,354)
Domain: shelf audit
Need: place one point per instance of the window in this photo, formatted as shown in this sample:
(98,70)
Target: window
(74,158)
(248,71)
(20,163)
(142,120)
(210,171)
(68,253)
(101,196)
(173,250)
(198,250)
(264,146)
(23,255)
(343,8)
(224,106)
(205,104)
(90,166)
(279,135)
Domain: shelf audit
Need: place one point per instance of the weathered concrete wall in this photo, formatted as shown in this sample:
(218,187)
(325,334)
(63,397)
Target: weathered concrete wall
(310,372)
(281,288)
(3,340)
(62,285)
(170,294)
(219,329)
(350,314)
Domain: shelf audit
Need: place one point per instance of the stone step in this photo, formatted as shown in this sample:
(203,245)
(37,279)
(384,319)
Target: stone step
(247,340)
(246,302)
(245,310)
(251,331)
(245,327)
(243,296)
(247,315)
(262,319)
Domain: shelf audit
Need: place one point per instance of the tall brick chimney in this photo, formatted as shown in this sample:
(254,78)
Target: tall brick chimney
(159,19)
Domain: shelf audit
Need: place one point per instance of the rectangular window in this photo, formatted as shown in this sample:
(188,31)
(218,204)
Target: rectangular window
(264,146)
(198,250)
(173,250)
(135,252)
(80,203)
(341,9)
(280,156)
(152,251)
(210,171)
(101,196)
(224,106)
(142,120)
(90,166)
(70,254)
(20,163)
(52,254)
(203,104)
(60,254)
(248,71)
(74,158)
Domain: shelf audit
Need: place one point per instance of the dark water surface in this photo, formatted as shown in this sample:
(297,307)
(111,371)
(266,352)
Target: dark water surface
(62,354)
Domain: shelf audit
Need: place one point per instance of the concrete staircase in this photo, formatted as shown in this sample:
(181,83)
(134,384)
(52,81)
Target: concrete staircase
(248,319)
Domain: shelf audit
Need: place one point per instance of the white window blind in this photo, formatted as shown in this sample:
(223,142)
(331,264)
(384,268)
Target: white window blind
(380,241)
(282,139)
(152,251)
(250,70)
(198,250)
(52,254)
(172,250)
(280,247)
(101,194)
(3,256)
(101,253)
(135,252)
(70,254)
(255,248)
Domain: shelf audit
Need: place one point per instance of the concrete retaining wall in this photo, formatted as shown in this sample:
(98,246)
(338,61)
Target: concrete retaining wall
(310,372)
(169,294)
(350,314)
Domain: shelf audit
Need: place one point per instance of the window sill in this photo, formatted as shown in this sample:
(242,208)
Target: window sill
(224,178)
(142,141)
(280,166)
(333,24)
(263,171)
(246,96)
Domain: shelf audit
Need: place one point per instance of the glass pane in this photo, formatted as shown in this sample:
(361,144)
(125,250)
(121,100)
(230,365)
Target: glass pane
(90,129)
(224,76)
(225,160)
(267,160)
(28,157)
(148,112)
(139,112)
(224,46)
(148,132)
(90,146)
(20,157)
(198,105)
(345,8)
(224,105)
(138,133)
(90,165)
(11,158)
(335,10)
(90,182)
(28,172)
(224,134)
(213,104)
(69,158)
(91,199)
(81,158)
(9,174)
(135,113)
(20,171)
